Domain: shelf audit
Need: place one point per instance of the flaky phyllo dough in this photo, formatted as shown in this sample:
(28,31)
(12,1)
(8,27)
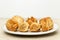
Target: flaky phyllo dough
(31,20)
(23,27)
(17,23)
(34,27)
(46,24)
(12,26)
(13,23)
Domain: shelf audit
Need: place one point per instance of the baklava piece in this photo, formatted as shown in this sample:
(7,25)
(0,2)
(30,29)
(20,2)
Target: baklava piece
(23,27)
(12,26)
(34,27)
(31,20)
(46,23)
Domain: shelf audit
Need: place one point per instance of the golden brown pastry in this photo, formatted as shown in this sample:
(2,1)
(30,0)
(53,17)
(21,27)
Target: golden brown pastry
(31,20)
(12,26)
(13,23)
(17,19)
(34,27)
(16,23)
(46,23)
(23,27)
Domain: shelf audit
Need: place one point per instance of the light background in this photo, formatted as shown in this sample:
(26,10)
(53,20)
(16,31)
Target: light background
(25,8)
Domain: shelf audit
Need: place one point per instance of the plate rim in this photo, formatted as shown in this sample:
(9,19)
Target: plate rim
(55,27)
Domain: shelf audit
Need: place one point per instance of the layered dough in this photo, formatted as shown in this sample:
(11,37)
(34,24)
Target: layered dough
(23,27)
(12,26)
(34,27)
(13,23)
(17,19)
(17,23)
(46,23)
(31,20)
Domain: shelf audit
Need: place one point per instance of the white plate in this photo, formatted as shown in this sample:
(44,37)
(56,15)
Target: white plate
(31,33)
